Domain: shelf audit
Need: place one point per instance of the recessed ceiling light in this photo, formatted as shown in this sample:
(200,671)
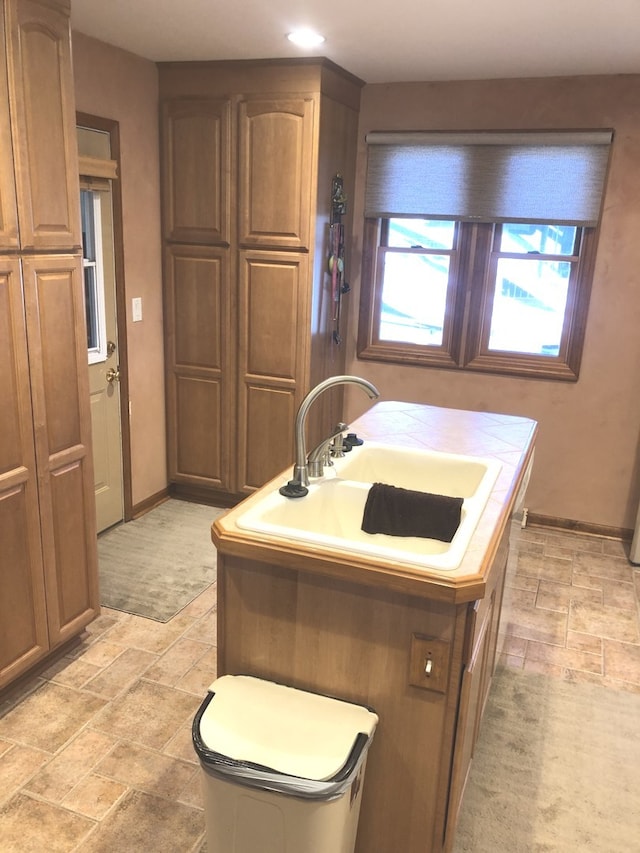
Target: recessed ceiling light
(306,38)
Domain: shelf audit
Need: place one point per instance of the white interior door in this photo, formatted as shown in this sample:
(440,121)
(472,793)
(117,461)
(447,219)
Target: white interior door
(102,348)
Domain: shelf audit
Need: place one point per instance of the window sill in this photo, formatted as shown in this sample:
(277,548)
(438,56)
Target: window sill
(528,367)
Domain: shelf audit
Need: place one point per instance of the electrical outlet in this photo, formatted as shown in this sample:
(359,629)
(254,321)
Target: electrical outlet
(429,663)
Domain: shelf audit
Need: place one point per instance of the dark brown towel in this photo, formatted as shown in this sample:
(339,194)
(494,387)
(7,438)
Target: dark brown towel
(403,512)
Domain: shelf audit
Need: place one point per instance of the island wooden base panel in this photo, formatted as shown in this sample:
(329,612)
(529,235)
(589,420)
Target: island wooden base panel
(355,643)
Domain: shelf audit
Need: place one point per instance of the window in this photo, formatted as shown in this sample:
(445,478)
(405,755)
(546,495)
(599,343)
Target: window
(93,276)
(479,250)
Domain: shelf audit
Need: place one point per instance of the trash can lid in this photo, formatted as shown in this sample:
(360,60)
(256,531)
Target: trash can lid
(288,730)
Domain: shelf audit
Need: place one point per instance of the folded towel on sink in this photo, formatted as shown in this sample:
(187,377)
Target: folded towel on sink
(404,512)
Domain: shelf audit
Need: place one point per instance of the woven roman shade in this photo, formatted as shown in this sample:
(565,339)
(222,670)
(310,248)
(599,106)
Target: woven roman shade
(555,177)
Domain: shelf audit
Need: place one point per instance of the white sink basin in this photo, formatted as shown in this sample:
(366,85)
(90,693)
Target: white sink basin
(423,470)
(330,516)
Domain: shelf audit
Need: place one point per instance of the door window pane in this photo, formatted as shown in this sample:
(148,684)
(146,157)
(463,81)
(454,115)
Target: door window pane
(93,279)
(90,300)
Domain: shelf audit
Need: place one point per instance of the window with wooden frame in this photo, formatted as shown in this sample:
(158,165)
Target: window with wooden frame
(479,249)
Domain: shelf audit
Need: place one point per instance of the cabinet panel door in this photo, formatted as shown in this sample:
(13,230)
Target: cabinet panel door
(200,401)
(273,316)
(60,393)
(43,111)
(23,621)
(196,152)
(273,361)
(473,694)
(277,171)
(270,296)
(266,443)
(8,212)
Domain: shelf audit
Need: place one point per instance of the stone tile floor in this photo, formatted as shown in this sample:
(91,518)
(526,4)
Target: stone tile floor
(96,754)
(572,609)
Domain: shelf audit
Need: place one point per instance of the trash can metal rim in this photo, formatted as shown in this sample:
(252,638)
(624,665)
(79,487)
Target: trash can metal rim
(280,730)
(265,779)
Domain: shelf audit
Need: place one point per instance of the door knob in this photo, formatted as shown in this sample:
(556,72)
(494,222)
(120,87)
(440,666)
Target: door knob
(113,374)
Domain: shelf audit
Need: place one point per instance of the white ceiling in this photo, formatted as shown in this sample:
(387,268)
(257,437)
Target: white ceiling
(402,40)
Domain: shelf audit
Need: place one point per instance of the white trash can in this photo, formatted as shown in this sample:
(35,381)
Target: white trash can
(283,768)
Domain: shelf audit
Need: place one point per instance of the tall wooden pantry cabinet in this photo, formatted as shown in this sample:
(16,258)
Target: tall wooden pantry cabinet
(48,561)
(249,150)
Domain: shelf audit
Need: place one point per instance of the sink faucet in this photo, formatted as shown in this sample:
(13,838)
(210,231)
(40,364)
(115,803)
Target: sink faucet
(297,486)
(320,455)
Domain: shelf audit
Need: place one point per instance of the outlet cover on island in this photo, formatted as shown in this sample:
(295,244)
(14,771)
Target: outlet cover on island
(136,309)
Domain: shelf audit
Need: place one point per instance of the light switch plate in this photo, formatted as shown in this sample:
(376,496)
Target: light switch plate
(429,663)
(136,309)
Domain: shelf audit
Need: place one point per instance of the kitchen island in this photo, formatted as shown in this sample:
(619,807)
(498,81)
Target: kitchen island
(416,644)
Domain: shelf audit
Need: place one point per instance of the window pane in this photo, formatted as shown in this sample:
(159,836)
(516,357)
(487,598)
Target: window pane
(88,229)
(529,306)
(414,294)
(545,239)
(421,233)
(91,307)
(93,278)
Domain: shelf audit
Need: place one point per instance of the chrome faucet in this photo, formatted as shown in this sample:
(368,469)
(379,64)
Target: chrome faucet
(328,447)
(297,486)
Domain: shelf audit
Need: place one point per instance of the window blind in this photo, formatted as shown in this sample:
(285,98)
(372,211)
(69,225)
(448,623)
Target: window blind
(97,167)
(554,177)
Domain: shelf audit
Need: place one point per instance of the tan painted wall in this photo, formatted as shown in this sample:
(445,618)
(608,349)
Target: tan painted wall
(587,466)
(114,84)
(587,461)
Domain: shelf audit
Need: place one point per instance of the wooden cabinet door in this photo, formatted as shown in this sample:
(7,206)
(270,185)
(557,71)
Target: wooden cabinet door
(60,394)
(196,166)
(23,621)
(43,117)
(273,358)
(8,212)
(277,171)
(199,343)
(474,691)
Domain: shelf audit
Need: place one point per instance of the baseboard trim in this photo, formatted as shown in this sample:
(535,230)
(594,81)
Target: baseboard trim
(149,503)
(203,495)
(194,494)
(28,676)
(536,520)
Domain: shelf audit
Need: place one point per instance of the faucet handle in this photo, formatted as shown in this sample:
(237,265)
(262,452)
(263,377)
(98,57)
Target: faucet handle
(337,447)
(352,440)
(321,455)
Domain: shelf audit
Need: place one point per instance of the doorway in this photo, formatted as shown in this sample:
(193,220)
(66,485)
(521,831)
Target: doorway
(104,300)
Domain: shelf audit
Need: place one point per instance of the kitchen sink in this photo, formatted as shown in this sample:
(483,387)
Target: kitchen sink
(330,515)
(423,470)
